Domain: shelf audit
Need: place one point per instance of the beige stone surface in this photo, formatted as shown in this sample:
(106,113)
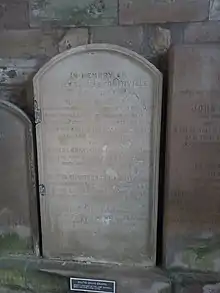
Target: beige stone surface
(98,151)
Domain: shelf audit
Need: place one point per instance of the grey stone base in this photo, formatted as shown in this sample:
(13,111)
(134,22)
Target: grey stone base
(33,275)
(194,282)
(42,276)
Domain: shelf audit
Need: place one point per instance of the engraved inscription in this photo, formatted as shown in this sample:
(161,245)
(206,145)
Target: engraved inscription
(104,79)
(192,178)
(197,175)
(98,166)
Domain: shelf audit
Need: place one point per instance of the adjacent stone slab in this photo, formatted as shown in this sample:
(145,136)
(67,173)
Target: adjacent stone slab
(18,206)
(72,13)
(98,126)
(145,11)
(192,215)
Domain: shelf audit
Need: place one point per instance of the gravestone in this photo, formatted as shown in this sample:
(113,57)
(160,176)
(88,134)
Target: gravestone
(97,110)
(18,206)
(192,201)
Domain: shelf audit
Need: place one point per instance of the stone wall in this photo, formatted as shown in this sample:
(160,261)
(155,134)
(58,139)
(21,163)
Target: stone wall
(33,31)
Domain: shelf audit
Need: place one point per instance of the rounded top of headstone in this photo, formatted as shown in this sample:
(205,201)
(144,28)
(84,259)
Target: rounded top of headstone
(95,48)
(98,153)
(15,111)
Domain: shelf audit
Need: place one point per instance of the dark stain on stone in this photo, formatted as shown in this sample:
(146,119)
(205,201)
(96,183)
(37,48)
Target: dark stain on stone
(68,45)
(40,4)
(11,73)
(97,6)
(2,79)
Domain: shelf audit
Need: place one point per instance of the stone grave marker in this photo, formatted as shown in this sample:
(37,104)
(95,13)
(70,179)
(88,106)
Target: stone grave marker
(192,201)
(18,204)
(97,110)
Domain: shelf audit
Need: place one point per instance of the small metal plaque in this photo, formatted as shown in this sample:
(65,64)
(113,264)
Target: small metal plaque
(92,285)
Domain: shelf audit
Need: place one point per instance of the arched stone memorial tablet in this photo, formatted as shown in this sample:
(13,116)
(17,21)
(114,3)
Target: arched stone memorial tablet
(98,125)
(18,206)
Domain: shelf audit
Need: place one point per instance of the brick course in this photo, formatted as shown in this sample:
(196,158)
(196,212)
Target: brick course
(147,11)
(14,14)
